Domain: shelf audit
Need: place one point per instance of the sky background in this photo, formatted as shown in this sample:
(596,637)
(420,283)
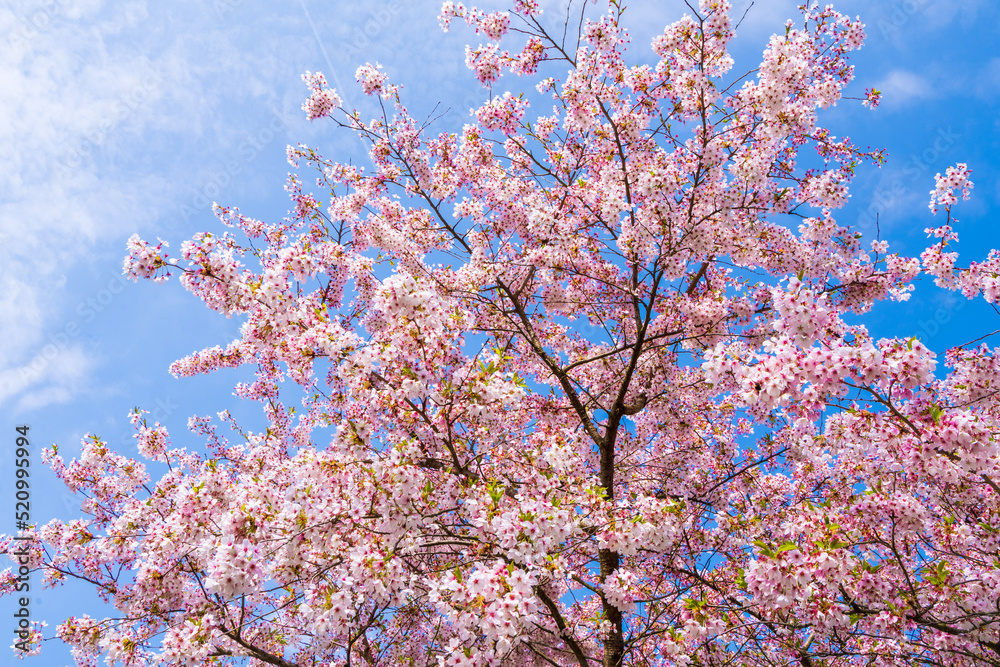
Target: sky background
(133,117)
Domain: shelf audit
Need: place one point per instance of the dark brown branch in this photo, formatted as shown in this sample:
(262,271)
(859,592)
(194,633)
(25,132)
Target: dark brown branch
(564,632)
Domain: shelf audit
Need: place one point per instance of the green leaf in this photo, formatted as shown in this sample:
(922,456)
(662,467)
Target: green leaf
(764,548)
(495,491)
(935,412)
(937,574)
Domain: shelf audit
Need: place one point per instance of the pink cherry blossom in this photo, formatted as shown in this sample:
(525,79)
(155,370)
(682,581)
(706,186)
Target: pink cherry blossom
(586,385)
(955,178)
(323,100)
(371,78)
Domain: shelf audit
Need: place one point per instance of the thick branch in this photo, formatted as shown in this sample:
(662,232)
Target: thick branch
(564,632)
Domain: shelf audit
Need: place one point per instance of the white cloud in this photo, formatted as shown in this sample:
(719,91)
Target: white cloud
(58,371)
(62,96)
(900,87)
(103,115)
(20,315)
(35,400)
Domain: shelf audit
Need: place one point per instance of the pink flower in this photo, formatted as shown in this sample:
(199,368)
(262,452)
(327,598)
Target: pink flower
(872,97)
(528,384)
(323,99)
(955,178)
(371,78)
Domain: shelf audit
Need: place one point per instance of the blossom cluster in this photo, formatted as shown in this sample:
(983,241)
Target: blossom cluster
(562,389)
(955,178)
(323,100)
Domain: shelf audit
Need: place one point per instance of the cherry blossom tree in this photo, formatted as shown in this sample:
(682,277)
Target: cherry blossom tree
(587,386)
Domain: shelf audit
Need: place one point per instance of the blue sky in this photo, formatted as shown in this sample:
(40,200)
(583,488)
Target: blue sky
(133,116)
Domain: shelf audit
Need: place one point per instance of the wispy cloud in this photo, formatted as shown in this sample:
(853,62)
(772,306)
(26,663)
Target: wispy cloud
(63,96)
(101,115)
(55,374)
(900,88)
